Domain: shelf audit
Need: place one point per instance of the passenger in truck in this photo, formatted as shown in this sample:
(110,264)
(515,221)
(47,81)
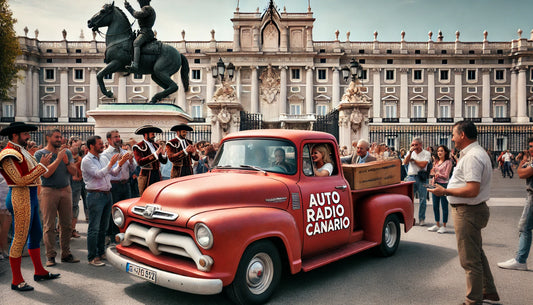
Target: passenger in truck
(322,160)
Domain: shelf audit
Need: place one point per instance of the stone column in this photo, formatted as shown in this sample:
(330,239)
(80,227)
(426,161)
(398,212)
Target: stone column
(376,95)
(521,96)
(93,92)
(63,96)
(122,96)
(283,89)
(404,97)
(254,103)
(458,96)
(22,99)
(335,87)
(34,113)
(29,90)
(431,103)
(182,96)
(309,44)
(255,39)
(236,39)
(284,45)
(309,102)
(210,91)
(513,103)
(486,103)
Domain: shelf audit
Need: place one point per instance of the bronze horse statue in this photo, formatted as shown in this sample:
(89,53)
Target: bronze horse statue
(158,59)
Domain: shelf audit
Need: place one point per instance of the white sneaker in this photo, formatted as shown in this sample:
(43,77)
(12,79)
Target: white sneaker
(421,223)
(513,264)
(434,228)
(442,230)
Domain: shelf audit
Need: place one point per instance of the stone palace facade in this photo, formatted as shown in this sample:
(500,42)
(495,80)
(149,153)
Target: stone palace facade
(290,79)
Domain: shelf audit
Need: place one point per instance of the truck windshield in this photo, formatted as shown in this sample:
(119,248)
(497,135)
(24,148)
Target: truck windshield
(271,155)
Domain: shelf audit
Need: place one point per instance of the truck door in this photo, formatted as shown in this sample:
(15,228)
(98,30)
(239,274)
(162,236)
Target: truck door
(325,202)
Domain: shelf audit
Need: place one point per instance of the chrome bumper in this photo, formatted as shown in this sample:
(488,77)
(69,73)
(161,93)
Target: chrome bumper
(167,279)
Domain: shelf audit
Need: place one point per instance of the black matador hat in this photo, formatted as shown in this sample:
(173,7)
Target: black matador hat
(17,127)
(181,127)
(148,128)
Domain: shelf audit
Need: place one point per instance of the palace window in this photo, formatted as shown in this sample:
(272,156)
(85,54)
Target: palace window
(389,74)
(196,74)
(296,109)
(78,74)
(500,111)
(78,110)
(196,111)
(499,75)
(295,74)
(322,74)
(390,110)
(49,75)
(417,111)
(49,111)
(322,109)
(471,75)
(471,111)
(8,110)
(444,75)
(444,111)
(417,75)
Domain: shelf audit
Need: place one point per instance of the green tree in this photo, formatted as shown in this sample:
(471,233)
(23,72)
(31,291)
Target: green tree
(9,49)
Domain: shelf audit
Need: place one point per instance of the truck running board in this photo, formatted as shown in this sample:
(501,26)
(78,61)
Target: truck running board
(337,254)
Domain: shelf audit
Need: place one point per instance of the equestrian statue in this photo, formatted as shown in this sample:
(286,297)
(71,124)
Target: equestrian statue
(140,54)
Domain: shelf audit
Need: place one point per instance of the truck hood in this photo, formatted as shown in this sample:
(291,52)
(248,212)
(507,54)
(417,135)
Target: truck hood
(191,195)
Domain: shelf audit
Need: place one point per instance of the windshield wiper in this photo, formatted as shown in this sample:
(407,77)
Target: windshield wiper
(253,167)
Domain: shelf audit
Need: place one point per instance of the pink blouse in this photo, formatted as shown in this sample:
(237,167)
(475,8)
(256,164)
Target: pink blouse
(442,171)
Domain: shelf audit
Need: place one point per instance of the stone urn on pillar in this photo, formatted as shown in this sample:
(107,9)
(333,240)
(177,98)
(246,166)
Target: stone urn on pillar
(353,108)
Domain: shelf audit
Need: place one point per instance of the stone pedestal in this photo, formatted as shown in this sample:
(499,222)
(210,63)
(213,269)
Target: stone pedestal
(127,117)
(225,118)
(353,122)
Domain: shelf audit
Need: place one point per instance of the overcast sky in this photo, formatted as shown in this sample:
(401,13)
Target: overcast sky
(501,18)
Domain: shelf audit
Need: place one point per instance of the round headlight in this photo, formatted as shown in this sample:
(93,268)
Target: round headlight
(118,217)
(203,236)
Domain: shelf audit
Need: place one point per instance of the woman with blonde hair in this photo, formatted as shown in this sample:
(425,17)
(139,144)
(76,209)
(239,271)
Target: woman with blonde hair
(321,159)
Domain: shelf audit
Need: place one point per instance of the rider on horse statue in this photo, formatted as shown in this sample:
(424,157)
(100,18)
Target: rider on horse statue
(146,19)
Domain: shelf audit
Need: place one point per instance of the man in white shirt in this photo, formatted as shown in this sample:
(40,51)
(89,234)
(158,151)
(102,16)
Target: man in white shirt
(96,170)
(120,184)
(417,159)
(468,191)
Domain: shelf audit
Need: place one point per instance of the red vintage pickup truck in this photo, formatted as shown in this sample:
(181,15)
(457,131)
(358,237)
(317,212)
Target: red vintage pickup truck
(237,227)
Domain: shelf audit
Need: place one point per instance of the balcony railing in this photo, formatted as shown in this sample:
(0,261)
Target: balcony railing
(77,120)
(7,119)
(198,120)
(474,120)
(444,120)
(297,117)
(48,120)
(501,120)
(391,120)
(418,120)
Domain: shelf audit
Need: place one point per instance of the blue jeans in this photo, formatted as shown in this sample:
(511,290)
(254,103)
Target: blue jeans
(444,202)
(526,225)
(99,205)
(422,193)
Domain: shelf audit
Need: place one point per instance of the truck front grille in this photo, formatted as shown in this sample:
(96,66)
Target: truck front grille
(159,242)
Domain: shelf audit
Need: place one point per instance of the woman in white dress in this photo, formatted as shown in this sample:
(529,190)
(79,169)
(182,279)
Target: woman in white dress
(322,161)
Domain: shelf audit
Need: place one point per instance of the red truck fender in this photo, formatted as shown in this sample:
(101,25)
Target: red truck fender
(237,228)
(374,209)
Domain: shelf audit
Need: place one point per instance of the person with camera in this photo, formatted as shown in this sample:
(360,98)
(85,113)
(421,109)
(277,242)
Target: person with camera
(416,161)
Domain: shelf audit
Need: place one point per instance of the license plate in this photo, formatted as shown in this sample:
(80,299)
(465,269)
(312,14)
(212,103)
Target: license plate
(141,272)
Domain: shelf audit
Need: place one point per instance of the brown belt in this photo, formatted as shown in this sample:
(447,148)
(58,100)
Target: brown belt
(455,205)
(98,191)
(120,181)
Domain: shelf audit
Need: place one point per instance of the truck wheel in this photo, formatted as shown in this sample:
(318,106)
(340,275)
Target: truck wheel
(390,237)
(258,274)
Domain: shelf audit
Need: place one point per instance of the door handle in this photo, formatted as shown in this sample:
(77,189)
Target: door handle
(341,187)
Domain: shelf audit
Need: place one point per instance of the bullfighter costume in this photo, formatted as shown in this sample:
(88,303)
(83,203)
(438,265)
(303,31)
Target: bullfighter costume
(176,153)
(22,173)
(147,159)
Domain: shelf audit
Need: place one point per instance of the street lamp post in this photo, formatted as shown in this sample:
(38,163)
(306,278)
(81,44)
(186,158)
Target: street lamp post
(353,93)
(225,93)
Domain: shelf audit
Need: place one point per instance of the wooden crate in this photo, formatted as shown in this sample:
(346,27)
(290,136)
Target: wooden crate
(372,174)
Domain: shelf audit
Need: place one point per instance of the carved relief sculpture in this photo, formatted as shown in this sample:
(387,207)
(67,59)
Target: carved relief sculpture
(270,85)
(225,93)
(353,94)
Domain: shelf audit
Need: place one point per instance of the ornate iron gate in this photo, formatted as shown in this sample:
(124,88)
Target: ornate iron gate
(328,123)
(251,121)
